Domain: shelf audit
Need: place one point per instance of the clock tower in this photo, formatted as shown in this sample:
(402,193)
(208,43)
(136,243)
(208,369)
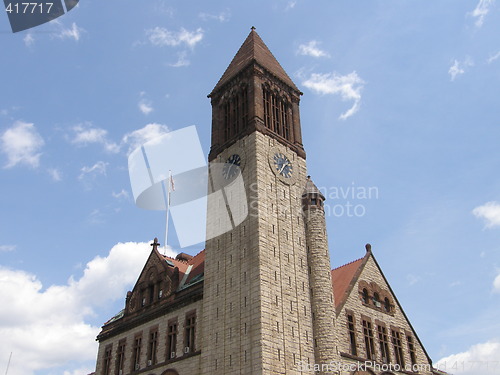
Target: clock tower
(261,312)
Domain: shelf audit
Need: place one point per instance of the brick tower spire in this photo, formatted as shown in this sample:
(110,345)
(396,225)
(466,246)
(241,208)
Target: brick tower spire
(240,106)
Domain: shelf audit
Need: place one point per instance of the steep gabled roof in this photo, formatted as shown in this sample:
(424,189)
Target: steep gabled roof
(347,276)
(343,280)
(254,49)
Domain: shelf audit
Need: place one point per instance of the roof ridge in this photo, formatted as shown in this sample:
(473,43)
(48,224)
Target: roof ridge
(346,264)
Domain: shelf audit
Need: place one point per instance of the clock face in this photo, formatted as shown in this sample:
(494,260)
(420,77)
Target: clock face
(231,166)
(283,165)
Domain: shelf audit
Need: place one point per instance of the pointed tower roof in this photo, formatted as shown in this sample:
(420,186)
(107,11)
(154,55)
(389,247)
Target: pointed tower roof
(254,49)
(311,188)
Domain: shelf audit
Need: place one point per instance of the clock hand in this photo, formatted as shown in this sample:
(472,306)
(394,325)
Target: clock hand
(283,167)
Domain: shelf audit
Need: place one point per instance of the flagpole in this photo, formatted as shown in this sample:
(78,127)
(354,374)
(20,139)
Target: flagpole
(8,364)
(167,210)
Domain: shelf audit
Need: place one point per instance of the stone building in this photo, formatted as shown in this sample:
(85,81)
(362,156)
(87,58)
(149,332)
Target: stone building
(261,298)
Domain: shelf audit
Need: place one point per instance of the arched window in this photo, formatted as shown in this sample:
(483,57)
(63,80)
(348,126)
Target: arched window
(365,295)
(387,304)
(235,113)
(376,300)
(276,116)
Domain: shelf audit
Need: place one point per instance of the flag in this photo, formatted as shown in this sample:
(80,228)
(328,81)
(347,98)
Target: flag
(171,186)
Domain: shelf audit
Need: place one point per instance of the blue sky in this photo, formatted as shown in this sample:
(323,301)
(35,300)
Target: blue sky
(399,96)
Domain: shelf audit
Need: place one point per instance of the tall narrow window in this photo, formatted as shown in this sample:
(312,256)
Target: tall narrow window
(368,334)
(398,348)
(387,305)
(236,114)
(365,295)
(227,121)
(352,334)
(411,349)
(376,299)
(384,344)
(267,108)
(152,347)
(120,358)
(244,107)
(276,114)
(286,124)
(172,339)
(151,293)
(189,337)
(107,360)
(136,353)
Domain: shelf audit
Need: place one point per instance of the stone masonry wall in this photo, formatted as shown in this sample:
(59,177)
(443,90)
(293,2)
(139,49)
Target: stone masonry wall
(183,364)
(377,316)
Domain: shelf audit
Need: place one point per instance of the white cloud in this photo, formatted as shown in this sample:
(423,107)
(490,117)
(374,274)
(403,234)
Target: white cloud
(455,70)
(478,359)
(122,194)
(160,36)
(74,32)
(6,248)
(181,61)
(21,144)
(80,371)
(490,212)
(290,5)
(481,10)
(29,40)
(86,133)
(347,86)
(96,169)
(221,17)
(458,67)
(412,279)
(138,137)
(163,8)
(493,57)
(496,284)
(311,49)
(96,217)
(34,320)
(55,174)
(145,106)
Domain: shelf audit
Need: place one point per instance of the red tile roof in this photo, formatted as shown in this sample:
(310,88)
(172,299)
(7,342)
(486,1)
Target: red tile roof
(341,276)
(341,279)
(197,262)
